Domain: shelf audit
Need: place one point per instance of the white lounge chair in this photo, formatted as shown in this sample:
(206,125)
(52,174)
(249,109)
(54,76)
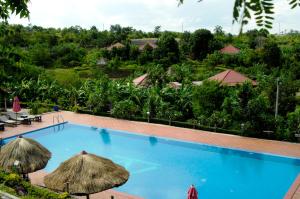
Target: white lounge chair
(14,116)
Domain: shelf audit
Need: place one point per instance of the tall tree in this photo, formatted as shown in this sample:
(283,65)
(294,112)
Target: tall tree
(199,43)
(168,47)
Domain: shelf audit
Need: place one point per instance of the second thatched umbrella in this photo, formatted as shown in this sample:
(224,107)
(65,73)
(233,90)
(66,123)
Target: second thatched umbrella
(86,174)
(24,154)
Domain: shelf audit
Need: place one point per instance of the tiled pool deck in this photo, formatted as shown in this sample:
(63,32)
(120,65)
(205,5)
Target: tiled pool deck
(253,144)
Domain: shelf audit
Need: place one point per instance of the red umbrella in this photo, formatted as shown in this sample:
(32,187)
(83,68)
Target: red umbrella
(192,193)
(16,105)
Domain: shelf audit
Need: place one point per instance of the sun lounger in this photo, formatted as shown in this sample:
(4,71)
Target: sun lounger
(37,118)
(22,120)
(7,121)
(14,116)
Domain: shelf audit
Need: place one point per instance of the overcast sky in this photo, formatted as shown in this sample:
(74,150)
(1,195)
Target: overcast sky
(146,14)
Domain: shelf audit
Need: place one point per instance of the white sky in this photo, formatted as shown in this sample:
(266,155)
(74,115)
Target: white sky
(146,14)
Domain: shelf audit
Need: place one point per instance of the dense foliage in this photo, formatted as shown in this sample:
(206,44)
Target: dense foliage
(12,183)
(47,66)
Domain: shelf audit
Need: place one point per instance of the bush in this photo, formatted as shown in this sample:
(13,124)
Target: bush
(12,182)
(124,109)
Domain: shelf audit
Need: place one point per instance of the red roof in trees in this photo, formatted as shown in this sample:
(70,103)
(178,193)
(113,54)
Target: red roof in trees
(141,80)
(231,78)
(230,49)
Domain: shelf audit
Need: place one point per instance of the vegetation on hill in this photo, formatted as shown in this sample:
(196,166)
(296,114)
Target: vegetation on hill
(60,66)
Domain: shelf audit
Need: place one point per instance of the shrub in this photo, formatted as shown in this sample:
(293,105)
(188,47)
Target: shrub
(12,180)
(124,109)
(12,183)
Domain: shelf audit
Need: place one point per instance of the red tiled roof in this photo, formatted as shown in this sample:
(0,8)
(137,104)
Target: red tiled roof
(231,78)
(141,80)
(230,49)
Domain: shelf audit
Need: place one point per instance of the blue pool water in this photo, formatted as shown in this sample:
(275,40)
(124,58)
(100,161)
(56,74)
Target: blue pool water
(164,169)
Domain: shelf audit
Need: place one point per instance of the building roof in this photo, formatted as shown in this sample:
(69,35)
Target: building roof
(141,80)
(231,78)
(140,42)
(197,83)
(175,85)
(230,49)
(152,45)
(116,45)
(102,61)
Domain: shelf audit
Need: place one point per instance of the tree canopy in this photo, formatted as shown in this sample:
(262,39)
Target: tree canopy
(18,7)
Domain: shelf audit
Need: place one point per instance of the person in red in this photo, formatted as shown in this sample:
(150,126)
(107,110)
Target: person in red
(192,193)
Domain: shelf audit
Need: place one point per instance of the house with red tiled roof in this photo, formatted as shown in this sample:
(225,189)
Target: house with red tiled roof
(230,49)
(116,45)
(141,80)
(231,78)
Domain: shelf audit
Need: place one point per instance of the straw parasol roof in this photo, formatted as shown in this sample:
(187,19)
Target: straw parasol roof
(86,174)
(32,156)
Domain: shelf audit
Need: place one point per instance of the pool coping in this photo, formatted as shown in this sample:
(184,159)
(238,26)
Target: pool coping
(27,132)
(293,189)
(196,143)
(289,194)
(163,138)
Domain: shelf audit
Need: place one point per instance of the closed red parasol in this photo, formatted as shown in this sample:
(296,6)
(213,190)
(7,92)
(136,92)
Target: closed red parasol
(192,193)
(16,105)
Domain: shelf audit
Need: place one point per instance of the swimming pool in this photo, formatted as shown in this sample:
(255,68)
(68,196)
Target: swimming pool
(164,168)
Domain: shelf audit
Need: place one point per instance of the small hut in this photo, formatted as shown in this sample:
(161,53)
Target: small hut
(102,62)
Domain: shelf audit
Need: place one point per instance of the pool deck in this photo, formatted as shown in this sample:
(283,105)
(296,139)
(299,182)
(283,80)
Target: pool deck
(224,140)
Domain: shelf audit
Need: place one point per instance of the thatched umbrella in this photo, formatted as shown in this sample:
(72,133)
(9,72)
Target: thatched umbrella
(86,174)
(25,153)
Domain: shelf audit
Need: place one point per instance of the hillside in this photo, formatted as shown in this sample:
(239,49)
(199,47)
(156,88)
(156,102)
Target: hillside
(92,70)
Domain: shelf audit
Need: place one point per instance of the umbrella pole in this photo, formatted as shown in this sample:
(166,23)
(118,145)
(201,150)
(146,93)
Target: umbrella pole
(87,196)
